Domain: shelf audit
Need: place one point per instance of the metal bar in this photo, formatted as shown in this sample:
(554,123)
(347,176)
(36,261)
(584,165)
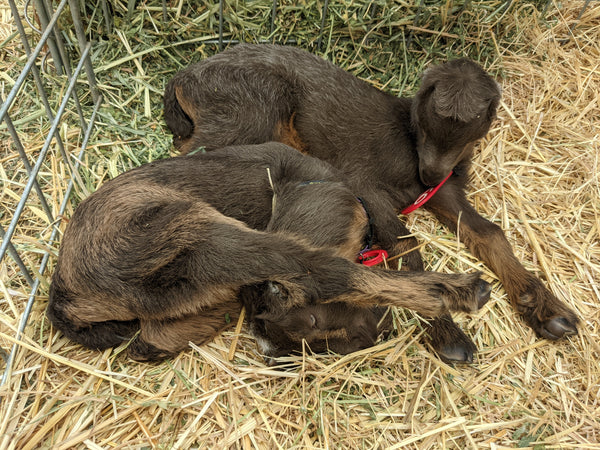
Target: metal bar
(107,17)
(15,137)
(221,25)
(21,205)
(273,14)
(73,6)
(77,164)
(323,15)
(80,33)
(65,60)
(26,17)
(58,39)
(12,251)
(45,258)
(31,61)
(38,79)
(585,5)
(44,21)
(34,68)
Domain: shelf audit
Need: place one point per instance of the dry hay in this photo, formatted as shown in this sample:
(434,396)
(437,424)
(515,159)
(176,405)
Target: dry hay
(536,174)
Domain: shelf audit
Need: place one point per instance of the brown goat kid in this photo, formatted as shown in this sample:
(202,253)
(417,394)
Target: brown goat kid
(388,149)
(172,249)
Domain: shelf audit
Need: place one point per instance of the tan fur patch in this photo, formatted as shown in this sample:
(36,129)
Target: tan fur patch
(186,144)
(378,287)
(174,335)
(189,108)
(356,234)
(84,312)
(286,133)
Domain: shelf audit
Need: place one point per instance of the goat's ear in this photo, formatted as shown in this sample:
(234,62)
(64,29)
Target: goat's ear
(454,99)
(270,316)
(494,102)
(460,90)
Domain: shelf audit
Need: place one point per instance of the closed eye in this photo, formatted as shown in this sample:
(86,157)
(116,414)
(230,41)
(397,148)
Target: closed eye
(313,321)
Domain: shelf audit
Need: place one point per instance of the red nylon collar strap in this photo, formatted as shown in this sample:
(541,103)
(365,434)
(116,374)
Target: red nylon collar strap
(371,257)
(425,196)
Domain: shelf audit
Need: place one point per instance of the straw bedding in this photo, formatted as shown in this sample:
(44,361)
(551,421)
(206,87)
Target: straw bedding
(536,174)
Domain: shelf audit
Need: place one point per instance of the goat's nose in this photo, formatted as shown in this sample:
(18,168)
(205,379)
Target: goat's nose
(432,178)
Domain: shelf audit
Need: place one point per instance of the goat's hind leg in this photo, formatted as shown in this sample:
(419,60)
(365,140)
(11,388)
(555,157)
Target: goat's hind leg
(160,339)
(460,292)
(77,321)
(94,335)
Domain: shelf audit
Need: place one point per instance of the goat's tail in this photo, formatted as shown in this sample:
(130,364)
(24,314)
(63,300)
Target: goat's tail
(93,335)
(178,121)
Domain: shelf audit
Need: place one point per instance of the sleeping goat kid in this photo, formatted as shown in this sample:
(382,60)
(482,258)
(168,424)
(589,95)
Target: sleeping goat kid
(172,249)
(389,150)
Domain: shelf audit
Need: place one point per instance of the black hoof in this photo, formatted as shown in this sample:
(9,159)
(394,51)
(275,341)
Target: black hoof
(485,290)
(457,354)
(450,343)
(558,327)
(142,351)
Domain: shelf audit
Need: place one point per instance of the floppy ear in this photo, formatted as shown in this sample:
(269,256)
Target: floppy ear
(495,101)
(461,90)
(270,316)
(462,100)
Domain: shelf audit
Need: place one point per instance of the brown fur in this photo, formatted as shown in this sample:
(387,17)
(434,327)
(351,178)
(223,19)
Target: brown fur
(286,133)
(389,149)
(162,249)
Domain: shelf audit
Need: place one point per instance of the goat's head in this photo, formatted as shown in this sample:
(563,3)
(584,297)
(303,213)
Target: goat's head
(454,107)
(319,327)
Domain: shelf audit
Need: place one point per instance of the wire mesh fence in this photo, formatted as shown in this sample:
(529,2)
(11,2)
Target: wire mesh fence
(28,187)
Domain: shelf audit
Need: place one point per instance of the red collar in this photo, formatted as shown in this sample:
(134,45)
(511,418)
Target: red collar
(425,196)
(368,257)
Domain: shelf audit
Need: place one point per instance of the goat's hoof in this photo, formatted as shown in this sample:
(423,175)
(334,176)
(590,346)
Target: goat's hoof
(143,351)
(547,315)
(469,295)
(485,290)
(479,296)
(557,328)
(451,343)
(459,353)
